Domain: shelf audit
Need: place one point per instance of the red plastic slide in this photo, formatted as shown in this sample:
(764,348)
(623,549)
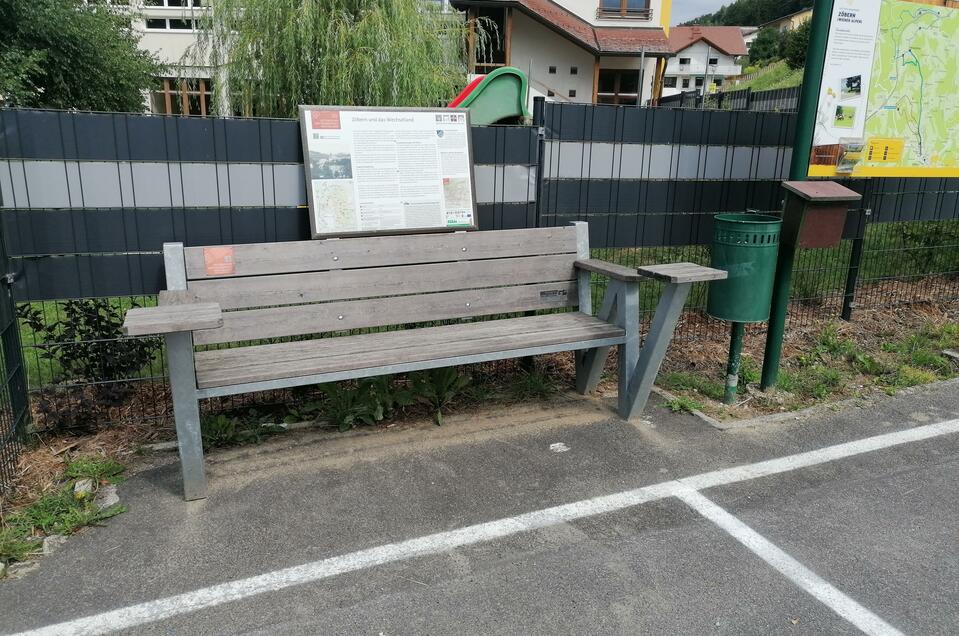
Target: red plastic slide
(466,92)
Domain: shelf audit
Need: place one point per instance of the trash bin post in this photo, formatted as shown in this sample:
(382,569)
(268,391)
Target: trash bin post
(813,217)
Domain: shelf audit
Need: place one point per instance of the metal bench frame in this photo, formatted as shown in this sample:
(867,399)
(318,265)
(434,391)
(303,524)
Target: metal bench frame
(620,307)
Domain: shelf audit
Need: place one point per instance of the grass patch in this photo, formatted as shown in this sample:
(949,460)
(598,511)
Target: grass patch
(59,512)
(687,381)
(778,75)
(98,469)
(683,405)
(533,384)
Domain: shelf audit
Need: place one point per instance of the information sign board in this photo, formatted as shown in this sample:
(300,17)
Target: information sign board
(387,170)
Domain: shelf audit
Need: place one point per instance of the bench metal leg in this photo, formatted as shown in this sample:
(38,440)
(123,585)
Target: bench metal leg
(591,362)
(186,410)
(627,317)
(643,375)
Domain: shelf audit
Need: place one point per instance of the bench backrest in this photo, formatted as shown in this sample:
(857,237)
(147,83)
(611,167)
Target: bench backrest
(273,290)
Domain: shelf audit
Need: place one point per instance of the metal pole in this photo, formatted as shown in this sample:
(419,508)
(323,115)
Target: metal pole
(735,357)
(802,149)
(642,78)
(539,123)
(855,257)
(709,51)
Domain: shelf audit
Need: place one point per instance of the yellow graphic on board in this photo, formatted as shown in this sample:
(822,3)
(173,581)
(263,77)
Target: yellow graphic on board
(882,150)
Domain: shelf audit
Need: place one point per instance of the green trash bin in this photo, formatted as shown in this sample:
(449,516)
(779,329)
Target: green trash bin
(746,246)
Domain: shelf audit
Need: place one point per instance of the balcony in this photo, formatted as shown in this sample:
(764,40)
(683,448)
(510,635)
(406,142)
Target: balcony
(624,13)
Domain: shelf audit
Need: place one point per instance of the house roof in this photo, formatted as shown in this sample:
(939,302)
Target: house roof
(726,39)
(788,16)
(598,40)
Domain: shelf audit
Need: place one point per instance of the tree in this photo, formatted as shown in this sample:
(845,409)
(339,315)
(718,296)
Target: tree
(752,12)
(795,45)
(766,46)
(71,54)
(276,54)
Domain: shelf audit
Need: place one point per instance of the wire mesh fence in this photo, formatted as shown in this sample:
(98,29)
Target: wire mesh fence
(782,100)
(648,181)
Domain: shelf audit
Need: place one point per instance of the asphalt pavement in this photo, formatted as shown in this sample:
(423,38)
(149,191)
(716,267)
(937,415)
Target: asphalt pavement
(575,522)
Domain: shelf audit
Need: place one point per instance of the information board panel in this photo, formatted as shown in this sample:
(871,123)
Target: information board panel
(387,170)
(889,99)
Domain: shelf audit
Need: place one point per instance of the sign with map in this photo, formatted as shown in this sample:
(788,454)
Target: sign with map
(889,100)
(387,170)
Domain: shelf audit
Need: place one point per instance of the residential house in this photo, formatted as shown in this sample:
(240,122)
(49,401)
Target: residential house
(788,22)
(749,36)
(582,51)
(703,58)
(168,28)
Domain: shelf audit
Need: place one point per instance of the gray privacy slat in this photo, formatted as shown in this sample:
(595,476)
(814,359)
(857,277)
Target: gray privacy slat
(258,324)
(322,255)
(152,185)
(47,185)
(285,289)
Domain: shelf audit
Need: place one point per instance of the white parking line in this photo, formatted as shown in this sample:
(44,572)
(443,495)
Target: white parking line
(789,567)
(212,596)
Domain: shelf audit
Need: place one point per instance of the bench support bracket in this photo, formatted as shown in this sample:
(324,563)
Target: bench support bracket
(643,374)
(590,363)
(186,410)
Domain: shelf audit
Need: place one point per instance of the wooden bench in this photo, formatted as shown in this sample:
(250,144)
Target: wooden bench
(248,295)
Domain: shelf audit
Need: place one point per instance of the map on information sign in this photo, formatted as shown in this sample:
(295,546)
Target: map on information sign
(889,100)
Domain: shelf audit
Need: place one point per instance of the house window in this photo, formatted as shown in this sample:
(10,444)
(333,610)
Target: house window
(492,55)
(624,9)
(178,4)
(718,81)
(173,24)
(550,94)
(572,92)
(176,96)
(713,61)
(669,82)
(700,81)
(618,87)
(574,70)
(685,82)
(552,70)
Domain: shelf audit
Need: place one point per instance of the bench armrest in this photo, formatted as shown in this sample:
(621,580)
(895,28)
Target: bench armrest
(616,272)
(150,321)
(679,273)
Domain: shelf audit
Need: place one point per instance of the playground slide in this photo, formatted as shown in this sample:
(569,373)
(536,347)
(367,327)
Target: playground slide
(499,97)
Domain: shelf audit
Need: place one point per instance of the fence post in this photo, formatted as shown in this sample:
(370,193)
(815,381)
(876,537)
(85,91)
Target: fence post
(539,123)
(852,277)
(749,98)
(855,259)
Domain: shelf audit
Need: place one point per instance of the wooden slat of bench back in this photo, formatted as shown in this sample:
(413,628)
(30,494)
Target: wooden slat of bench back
(310,256)
(277,322)
(288,289)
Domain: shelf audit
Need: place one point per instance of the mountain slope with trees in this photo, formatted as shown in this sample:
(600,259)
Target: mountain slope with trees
(751,12)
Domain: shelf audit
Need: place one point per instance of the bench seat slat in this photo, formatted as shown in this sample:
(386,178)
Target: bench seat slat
(363,343)
(296,320)
(286,289)
(327,355)
(260,259)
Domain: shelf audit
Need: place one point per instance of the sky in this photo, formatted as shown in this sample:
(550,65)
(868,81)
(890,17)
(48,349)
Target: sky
(688,9)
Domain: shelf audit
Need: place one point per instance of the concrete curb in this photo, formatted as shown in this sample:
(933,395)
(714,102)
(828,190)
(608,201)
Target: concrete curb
(792,416)
(666,395)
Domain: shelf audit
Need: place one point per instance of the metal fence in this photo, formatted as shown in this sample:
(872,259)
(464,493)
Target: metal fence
(783,100)
(87,200)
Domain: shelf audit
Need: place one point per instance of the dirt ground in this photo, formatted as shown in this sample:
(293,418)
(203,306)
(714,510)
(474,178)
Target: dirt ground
(47,453)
